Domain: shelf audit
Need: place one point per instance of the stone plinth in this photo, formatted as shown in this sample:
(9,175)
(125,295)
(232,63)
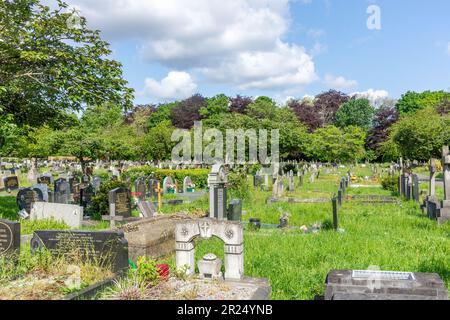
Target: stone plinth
(376,285)
(153,237)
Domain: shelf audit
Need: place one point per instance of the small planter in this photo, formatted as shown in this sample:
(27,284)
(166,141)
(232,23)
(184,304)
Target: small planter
(191,190)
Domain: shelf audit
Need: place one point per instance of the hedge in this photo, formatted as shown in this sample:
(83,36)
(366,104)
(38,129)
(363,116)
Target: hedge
(198,176)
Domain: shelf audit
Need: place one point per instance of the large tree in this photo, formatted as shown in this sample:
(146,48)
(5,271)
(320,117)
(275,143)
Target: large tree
(356,112)
(411,101)
(50,66)
(384,118)
(185,113)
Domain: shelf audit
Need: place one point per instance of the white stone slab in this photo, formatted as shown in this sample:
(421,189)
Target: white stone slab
(72,215)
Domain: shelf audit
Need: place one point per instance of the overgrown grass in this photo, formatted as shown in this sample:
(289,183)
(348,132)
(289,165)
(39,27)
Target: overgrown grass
(390,236)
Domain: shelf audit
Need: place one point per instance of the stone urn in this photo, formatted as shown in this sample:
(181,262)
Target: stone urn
(209,267)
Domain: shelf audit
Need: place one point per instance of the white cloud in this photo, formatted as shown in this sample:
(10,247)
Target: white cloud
(177,85)
(286,65)
(376,97)
(340,82)
(234,41)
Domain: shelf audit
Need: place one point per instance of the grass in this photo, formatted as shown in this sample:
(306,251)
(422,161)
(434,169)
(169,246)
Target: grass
(390,236)
(42,276)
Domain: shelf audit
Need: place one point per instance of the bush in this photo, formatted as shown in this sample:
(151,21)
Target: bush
(199,176)
(238,185)
(390,183)
(100,202)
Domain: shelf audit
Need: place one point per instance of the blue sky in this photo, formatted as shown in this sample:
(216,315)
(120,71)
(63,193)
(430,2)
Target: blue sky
(173,48)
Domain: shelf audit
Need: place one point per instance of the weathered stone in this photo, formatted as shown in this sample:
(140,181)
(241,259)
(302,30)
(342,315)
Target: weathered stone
(72,215)
(382,285)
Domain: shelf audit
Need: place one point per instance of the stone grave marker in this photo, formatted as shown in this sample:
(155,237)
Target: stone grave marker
(188,185)
(11,183)
(110,248)
(25,198)
(42,189)
(384,285)
(9,237)
(152,186)
(121,198)
(96,183)
(235,210)
(86,194)
(72,215)
(291,181)
(45,178)
(147,209)
(61,191)
(140,189)
(168,185)
(217,180)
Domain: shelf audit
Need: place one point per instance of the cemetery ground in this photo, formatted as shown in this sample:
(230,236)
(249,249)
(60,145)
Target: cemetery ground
(395,237)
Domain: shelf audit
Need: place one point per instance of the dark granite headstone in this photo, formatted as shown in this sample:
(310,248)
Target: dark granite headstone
(235,210)
(25,197)
(11,183)
(86,194)
(42,190)
(62,191)
(109,248)
(9,237)
(122,199)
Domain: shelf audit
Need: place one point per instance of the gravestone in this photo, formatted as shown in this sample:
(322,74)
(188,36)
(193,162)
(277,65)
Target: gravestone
(121,198)
(235,210)
(231,233)
(147,209)
(152,186)
(433,173)
(86,194)
(140,188)
(72,181)
(188,185)
(9,237)
(109,248)
(62,191)
(415,186)
(217,180)
(384,285)
(96,183)
(11,183)
(335,213)
(168,185)
(291,181)
(25,198)
(76,193)
(45,178)
(71,215)
(42,190)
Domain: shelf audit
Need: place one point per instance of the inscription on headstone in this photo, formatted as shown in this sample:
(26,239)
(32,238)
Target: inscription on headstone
(9,237)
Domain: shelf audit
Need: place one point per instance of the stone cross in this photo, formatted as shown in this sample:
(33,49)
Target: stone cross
(112,218)
(446,167)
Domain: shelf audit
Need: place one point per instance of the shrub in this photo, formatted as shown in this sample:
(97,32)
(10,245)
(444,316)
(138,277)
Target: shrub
(238,185)
(100,202)
(390,183)
(199,176)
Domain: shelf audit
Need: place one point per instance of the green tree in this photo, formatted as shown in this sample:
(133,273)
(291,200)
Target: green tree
(412,101)
(215,105)
(158,143)
(420,136)
(50,68)
(162,113)
(356,112)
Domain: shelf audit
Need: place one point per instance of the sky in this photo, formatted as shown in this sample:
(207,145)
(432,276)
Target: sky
(171,49)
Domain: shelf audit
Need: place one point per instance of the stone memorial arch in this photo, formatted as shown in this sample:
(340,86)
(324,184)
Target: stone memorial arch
(231,233)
